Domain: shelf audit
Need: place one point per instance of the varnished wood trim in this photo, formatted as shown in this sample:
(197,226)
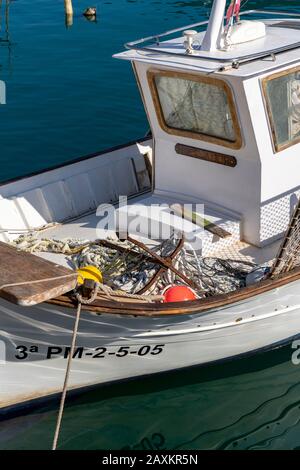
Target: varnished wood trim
(277,147)
(206,155)
(183,308)
(151,74)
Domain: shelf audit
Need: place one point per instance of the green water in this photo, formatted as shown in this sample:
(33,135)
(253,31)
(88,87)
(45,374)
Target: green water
(66,97)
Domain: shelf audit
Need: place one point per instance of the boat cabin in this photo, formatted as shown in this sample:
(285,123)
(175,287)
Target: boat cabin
(224,110)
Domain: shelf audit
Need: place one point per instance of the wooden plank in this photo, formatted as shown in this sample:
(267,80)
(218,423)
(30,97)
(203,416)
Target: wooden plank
(196,219)
(206,155)
(21,267)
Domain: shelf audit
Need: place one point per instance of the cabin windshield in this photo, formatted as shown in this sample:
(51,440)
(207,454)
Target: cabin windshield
(195,106)
(282,93)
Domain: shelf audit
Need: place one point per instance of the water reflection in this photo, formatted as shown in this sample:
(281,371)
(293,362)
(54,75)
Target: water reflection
(4,29)
(68,13)
(91,18)
(4,20)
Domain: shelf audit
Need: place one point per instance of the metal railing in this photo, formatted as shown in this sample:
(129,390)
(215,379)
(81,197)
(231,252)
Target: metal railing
(139,44)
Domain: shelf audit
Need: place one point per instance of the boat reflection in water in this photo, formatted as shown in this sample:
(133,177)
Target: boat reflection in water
(5,40)
(250,404)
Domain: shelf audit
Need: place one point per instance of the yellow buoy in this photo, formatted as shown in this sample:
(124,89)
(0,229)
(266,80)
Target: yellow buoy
(89,272)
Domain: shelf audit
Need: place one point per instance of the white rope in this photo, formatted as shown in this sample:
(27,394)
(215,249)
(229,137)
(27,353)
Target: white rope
(66,381)
(106,290)
(29,229)
(47,279)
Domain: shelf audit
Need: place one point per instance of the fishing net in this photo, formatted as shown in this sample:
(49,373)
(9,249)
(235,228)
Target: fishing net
(289,254)
(123,265)
(126,267)
(213,275)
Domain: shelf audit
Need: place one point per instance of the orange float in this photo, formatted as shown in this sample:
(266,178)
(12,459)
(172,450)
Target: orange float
(179,294)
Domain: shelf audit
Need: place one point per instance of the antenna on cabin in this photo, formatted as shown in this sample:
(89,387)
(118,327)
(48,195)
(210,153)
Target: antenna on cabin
(213,37)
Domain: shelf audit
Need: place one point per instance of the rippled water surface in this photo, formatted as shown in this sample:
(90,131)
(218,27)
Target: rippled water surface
(67,97)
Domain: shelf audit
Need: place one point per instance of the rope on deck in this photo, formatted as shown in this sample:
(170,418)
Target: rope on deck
(38,281)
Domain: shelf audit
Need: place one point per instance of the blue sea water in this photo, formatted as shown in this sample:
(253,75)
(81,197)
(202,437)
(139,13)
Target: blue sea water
(67,97)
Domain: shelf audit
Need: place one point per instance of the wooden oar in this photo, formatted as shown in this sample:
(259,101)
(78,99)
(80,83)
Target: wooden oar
(196,219)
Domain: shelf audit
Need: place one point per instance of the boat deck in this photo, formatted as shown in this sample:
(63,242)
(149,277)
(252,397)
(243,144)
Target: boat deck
(85,228)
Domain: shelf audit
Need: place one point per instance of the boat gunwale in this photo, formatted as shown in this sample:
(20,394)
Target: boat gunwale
(76,160)
(180,308)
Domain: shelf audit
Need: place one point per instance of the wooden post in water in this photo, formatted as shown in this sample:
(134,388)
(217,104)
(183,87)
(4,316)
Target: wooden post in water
(69,13)
(68,7)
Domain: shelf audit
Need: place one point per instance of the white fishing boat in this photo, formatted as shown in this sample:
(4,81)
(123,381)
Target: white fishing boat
(223,102)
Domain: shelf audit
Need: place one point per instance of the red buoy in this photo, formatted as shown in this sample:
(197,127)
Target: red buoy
(179,294)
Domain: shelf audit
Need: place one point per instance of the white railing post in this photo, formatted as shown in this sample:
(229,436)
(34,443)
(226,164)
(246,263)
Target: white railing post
(212,38)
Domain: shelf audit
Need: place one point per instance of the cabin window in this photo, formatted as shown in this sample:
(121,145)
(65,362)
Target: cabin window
(195,106)
(282,93)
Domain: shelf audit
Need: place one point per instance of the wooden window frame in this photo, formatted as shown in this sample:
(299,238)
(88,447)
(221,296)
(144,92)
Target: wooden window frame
(236,144)
(276,146)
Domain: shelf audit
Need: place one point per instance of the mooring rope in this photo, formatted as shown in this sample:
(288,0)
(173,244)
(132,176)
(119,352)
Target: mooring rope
(66,380)
(47,279)
(72,349)
(91,299)
(107,290)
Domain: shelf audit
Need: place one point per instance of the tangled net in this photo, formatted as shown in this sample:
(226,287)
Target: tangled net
(130,270)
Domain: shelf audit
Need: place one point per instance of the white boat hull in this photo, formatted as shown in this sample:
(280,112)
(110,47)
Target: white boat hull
(149,345)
